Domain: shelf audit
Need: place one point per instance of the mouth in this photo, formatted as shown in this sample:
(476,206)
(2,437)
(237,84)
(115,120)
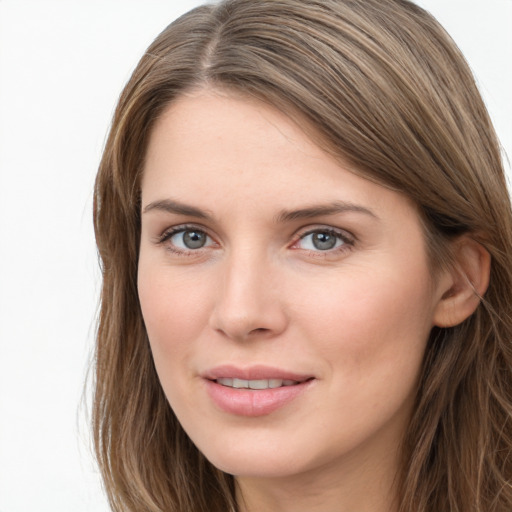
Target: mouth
(254,391)
(257,384)
(255,377)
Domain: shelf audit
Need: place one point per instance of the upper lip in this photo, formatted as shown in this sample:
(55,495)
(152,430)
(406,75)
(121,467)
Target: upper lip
(255,372)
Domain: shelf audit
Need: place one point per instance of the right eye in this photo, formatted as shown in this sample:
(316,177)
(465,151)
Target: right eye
(187,239)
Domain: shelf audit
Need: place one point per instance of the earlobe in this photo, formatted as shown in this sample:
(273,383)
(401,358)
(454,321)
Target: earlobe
(465,283)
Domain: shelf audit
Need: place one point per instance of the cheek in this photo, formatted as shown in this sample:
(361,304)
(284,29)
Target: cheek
(374,302)
(175,311)
(371,327)
(371,335)
(175,315)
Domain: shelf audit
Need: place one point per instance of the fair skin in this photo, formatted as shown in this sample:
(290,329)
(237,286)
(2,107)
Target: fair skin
(262,257)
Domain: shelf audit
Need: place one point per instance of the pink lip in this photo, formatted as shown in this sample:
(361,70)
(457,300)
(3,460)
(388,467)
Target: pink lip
(252,403)
(257,372)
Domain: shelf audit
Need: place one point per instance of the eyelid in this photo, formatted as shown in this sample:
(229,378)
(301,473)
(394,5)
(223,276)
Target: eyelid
(345,235)
(172,230)
(346,238)
(164,239)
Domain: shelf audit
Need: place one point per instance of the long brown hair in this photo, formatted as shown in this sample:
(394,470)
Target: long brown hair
(387,90)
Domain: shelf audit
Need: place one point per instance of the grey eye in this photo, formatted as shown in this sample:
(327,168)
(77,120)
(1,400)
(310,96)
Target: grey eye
(321,241)
(324,241)
(194,239)
(190,239)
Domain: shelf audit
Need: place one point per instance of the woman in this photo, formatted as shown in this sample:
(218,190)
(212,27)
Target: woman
(299,210)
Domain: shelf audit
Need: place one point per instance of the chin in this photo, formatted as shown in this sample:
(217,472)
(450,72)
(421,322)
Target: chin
(254,459)
(255,467)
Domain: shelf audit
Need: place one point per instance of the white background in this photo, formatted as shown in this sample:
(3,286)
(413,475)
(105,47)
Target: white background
(62,66)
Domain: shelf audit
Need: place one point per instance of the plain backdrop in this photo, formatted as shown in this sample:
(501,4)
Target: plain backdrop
(62,66)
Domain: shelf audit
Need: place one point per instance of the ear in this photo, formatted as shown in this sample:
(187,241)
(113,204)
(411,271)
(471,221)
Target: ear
(462,286)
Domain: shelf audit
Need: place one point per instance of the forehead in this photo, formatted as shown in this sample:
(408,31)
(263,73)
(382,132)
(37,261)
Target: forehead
(215,148)
(216,120)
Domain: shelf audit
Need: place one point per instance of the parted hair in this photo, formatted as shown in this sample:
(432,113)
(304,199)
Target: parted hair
(387,90)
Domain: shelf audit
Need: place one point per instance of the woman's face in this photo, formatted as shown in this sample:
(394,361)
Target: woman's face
(267,264)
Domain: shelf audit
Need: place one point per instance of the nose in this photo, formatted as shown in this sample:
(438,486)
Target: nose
(250,299)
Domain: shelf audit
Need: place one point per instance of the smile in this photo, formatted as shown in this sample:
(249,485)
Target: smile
(256,384)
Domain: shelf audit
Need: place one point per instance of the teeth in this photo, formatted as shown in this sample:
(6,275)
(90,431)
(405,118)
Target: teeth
(255,384)
(240,383)
(226,382)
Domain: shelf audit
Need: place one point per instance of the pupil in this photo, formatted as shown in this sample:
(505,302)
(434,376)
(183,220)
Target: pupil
(194,239)
(324,241)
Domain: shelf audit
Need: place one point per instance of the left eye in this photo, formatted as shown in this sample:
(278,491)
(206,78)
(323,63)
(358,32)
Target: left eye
(190,239)
(324,240)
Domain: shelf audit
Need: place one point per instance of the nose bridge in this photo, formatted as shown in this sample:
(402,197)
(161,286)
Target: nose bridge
(247,303)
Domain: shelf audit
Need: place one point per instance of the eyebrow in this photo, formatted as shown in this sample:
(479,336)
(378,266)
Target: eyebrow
(332,208)
(171,206)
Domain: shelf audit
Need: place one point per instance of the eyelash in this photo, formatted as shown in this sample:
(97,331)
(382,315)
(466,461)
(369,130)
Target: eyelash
(340,235)
(168,234)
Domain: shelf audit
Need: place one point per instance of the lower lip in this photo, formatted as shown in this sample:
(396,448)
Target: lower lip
(249,402)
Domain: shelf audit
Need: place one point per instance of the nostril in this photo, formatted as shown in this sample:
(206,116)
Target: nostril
(258,330)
